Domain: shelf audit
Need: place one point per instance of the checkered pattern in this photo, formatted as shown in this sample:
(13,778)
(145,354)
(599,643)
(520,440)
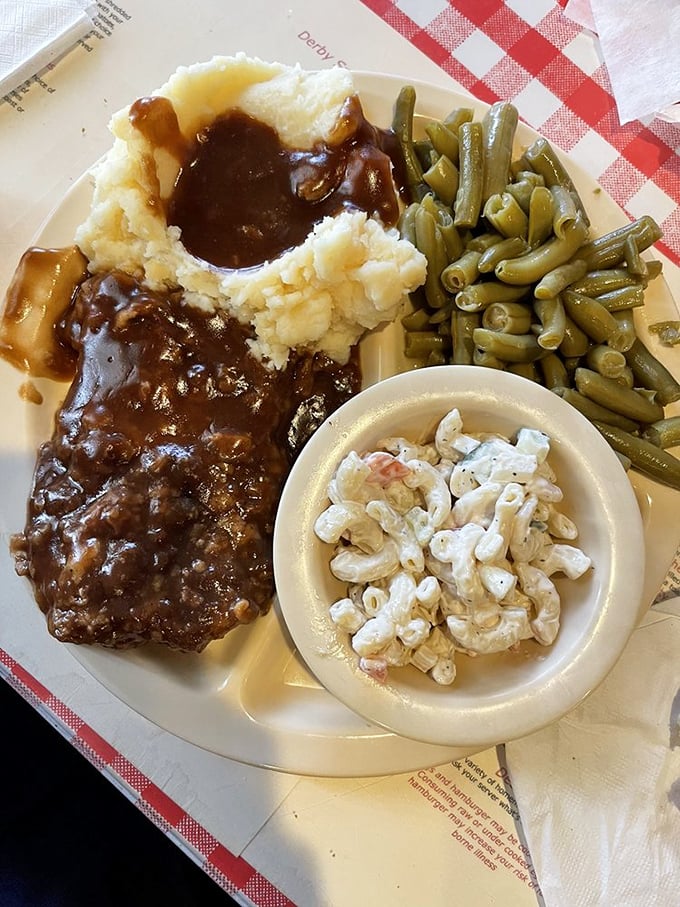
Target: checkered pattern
(237,877)
(530,53)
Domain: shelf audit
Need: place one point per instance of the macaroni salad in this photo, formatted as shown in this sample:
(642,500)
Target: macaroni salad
(448,546)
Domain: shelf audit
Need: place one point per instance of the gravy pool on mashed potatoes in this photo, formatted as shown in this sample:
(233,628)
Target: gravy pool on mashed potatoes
(350,273)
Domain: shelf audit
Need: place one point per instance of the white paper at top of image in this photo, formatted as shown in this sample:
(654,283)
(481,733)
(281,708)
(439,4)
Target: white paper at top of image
(35,32)
(580,11)
(599,792)
(640,44)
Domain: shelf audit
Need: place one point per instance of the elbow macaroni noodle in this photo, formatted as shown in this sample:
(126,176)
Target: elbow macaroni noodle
(448,547)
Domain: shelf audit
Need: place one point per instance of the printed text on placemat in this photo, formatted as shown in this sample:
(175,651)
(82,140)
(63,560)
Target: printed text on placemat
(481,834)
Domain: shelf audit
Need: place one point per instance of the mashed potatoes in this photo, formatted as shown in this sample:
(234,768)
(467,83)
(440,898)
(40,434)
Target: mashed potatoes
(349,275)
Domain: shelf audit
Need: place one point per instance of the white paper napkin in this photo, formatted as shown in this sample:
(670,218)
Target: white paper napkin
(639,42)
(599,792)
(33,33)
(580,11)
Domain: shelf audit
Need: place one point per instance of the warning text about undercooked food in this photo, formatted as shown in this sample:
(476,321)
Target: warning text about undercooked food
(475,811)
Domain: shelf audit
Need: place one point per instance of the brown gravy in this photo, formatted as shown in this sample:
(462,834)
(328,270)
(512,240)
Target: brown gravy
(42,287)
(242,197)
(153,504)
(156,119)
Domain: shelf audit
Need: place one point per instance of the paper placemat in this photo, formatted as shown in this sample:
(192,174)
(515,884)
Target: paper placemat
(270,839)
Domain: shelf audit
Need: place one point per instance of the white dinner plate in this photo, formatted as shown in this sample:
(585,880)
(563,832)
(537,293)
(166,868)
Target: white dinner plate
(250,697)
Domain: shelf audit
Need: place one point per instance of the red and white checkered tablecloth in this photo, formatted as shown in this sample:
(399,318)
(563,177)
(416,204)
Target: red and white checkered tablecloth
(530,53)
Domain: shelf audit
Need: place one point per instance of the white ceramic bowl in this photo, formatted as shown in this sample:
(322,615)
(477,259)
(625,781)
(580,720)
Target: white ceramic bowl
(494,698)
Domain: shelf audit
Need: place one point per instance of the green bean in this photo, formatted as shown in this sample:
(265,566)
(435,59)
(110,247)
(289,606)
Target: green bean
(444,140)
(594,283)
(442,178)
(402,126)
(463,325)
(417,299)
(594,412)
(418,320)
(525,183)
(483,241)
(571,363)
(620,280)
(424,152)
(654,268)
(553,322)
(508,317)
(526,370)
(498,130)
(506,248)
(452,240)
(462,272)
(668,332)
(438,210)
(436,357)
(478,296)
(444,219)
(599,324)
(649,459)
(565,209)
(635,263)
(627,378)
(652,374)
(457,117)
(559,279)
(664,433)
(431,243)
(541,208)
(519,166)
(575,343)
(646,392)
(504,213)
(623,298)
(543,159)
(553,371)
(487,360)
(513,279)
(608,362)
(508,347)
(530,176)
(627,335)
(521,191)
(442,321)
(530,268)
(418,344)
(441,316)
(471,160)
(609,393)
(407,223)
(609,250)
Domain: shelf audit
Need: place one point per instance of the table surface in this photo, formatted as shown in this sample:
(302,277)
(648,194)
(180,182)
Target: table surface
(56,788)
(263,836)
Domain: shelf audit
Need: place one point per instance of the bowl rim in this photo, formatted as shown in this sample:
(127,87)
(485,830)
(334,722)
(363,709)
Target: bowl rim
(398,705)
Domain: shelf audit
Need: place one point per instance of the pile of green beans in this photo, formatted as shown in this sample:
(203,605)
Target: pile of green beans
(515,281)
